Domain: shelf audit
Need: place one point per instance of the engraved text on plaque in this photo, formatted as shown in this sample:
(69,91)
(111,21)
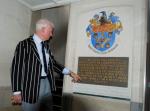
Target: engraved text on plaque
(109,71)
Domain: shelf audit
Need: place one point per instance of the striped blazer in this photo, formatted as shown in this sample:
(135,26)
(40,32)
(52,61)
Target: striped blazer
(26,70)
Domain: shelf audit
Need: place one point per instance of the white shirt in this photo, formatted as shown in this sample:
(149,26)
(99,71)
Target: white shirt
(38,44)
(38,41)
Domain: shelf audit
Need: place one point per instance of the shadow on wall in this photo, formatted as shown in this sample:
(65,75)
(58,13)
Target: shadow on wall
(69,101)
(93,103)
(79,105)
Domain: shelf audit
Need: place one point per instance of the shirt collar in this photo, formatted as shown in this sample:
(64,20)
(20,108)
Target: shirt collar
(37,39)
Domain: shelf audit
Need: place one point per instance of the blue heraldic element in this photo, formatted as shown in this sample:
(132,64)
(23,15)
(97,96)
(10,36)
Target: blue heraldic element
(103,30)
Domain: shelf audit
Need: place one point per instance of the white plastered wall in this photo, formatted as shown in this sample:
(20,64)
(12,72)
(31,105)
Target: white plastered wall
(14,26)
(132,44)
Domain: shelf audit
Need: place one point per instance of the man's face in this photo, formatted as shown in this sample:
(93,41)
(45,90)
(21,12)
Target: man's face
(47,32)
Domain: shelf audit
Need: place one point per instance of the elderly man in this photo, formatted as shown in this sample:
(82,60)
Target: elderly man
(32,69)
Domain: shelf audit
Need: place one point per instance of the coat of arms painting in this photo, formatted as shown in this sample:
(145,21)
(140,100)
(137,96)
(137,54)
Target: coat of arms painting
(103,30)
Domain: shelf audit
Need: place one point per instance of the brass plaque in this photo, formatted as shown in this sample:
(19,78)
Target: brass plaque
(109,71)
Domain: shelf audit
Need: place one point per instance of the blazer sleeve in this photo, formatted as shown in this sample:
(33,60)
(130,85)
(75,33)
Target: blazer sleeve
(57,66)
(17,68)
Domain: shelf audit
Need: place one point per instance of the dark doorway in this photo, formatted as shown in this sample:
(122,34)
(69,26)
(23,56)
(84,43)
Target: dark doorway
(147,89)
(147,85)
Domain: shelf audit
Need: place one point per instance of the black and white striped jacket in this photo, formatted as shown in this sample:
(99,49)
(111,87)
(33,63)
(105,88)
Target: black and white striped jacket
(26,70)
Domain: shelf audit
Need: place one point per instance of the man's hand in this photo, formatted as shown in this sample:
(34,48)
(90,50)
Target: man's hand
(75,77)
(16,99)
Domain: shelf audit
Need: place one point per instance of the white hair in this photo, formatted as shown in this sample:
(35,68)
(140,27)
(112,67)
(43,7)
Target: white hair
(42,23)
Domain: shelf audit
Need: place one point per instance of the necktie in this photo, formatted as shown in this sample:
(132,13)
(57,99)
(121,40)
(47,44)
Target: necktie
(44,57)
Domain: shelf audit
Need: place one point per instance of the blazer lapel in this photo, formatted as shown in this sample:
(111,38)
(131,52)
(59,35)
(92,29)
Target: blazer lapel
(34,48)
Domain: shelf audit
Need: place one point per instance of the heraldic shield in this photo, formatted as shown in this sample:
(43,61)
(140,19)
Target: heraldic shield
(103,30)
